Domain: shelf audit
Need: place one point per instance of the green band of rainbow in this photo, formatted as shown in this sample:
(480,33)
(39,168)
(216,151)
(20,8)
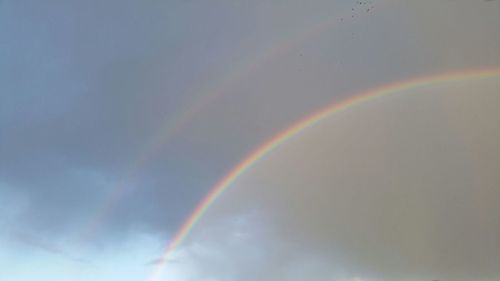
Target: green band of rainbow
(252,158)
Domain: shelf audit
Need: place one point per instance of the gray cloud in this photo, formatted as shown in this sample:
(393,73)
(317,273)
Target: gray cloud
(87,85)
(402,187)
(46,246)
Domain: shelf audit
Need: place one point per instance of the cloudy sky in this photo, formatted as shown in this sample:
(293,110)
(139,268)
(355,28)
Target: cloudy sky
(118,117)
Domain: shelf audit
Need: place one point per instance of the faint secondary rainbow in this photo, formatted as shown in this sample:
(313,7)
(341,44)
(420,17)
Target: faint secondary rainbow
(298,127)
(209,93)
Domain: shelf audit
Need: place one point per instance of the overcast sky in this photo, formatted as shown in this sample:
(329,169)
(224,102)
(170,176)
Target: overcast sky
(117,117)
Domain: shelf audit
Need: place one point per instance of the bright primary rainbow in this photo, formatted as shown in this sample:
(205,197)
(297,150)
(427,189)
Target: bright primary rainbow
(298,127)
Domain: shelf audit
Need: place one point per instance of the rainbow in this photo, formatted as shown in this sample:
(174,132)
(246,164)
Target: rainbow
(295,129)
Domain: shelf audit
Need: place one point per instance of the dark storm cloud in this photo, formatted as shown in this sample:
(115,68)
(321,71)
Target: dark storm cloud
(85,86)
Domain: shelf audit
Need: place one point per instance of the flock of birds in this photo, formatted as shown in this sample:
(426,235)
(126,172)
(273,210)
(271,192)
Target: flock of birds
(367,6)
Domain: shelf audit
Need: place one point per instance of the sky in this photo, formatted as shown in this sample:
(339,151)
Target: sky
(118,117)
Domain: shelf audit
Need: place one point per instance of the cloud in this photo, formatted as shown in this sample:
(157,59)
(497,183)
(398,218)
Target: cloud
(89,85)
(159,261)
(402,187)
(37,243)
